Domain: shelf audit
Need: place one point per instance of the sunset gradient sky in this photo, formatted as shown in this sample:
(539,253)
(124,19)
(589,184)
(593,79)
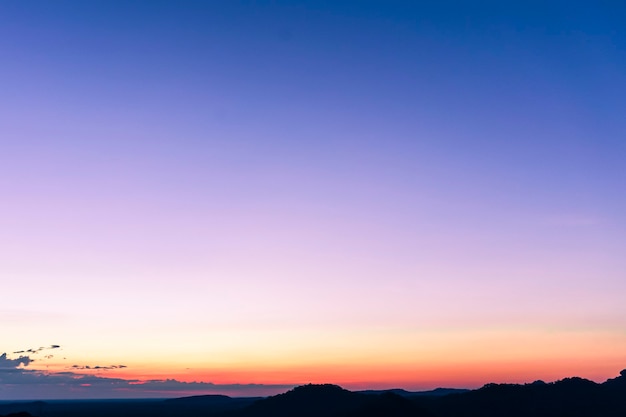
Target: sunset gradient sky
(368,193)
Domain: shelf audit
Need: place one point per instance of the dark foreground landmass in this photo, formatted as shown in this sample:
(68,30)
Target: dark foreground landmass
(571,397)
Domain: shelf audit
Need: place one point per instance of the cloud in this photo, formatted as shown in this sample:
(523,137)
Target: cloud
(6,363)
(79,381)
(24,360)
(20,383)
(98,367)
(35,351)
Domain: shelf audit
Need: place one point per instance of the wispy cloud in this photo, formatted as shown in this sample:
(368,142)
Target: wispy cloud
(34,351)
(97,367)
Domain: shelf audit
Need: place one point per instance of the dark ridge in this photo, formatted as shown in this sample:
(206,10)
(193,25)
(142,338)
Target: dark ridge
(574,397)
(618,382)
(440,392)
(437,392)
(20,414)
(389,404)
(398,391)
(308,401)
(208,399)
(212,403)
(21,408)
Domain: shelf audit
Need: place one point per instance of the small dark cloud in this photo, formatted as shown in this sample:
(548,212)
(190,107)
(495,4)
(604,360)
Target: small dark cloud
(37,350)
(97,367)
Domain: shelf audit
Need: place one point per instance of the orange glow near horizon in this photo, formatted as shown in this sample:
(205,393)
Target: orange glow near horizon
(253,362)
(363,376)
(453,361)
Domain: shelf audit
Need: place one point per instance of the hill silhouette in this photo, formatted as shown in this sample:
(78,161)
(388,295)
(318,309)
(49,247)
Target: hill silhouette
(568,397)
(308,401)
(212,402)
(574,397)
(389,404)
(210,399)
(404,393)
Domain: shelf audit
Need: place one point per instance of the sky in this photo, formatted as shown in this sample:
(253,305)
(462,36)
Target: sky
(242,196)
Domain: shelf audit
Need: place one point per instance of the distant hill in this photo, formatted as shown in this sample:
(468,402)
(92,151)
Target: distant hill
(21,408)
(307,401)
(437,392)
(209,399)
(213,401)
(573,397)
